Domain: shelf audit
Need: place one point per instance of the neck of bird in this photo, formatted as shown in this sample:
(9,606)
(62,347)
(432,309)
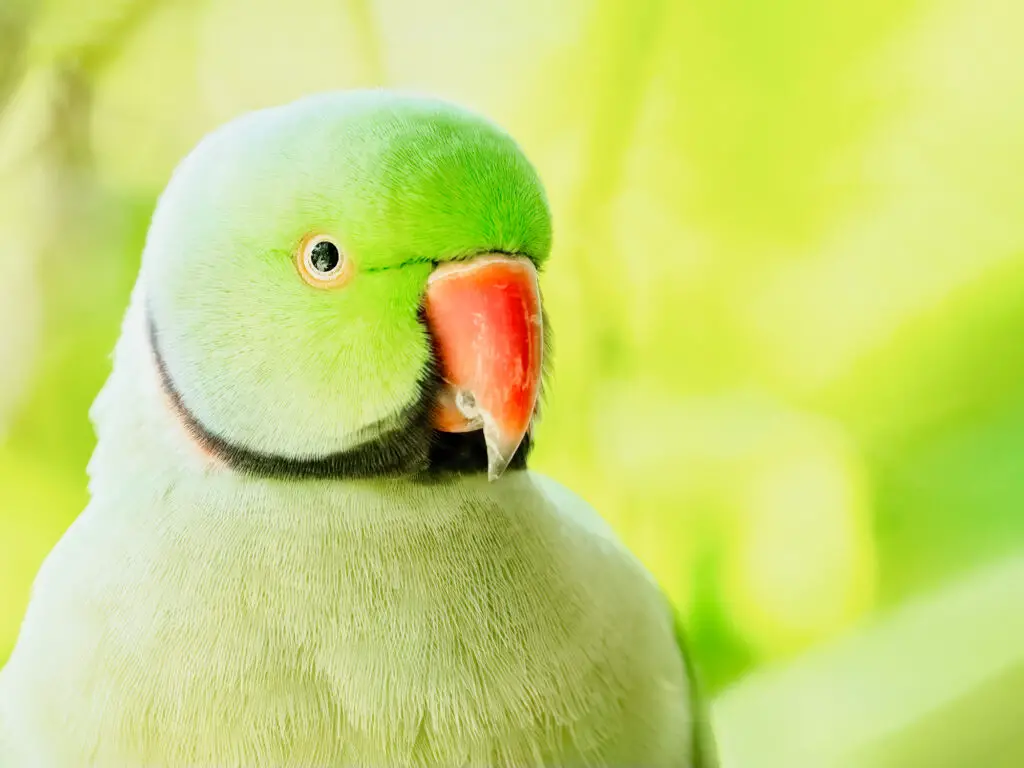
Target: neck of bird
(145,452)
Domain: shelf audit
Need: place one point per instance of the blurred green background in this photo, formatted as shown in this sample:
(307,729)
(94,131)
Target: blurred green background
(787,288)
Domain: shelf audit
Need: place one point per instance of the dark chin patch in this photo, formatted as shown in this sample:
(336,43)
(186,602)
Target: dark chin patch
(466,452)
(410,449)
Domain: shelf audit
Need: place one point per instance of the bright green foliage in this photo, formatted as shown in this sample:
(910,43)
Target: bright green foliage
(786,280)
(935,684)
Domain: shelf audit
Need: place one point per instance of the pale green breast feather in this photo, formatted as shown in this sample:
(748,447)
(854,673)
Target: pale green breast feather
(257,623)
(294,554)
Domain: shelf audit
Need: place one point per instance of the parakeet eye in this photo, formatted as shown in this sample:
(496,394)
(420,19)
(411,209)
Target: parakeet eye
(321,262)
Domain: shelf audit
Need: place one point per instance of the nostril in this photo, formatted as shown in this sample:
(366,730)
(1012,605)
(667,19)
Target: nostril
(466,403)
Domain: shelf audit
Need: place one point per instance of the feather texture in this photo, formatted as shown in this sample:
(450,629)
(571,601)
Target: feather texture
(197,615)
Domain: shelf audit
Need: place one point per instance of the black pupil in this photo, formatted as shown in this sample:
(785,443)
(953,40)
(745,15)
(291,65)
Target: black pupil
(325,256)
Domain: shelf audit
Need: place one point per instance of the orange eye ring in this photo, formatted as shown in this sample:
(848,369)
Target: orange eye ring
(321,262)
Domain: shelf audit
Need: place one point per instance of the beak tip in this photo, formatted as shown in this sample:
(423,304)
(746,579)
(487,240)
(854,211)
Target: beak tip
(496,464)
(499,454)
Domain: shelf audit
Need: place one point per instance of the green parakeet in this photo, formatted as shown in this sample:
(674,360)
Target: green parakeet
(312,538)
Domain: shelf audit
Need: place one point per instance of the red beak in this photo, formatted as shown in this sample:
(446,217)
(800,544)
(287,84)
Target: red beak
(485,317)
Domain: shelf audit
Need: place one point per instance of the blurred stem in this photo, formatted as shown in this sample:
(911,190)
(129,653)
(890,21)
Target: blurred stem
(15,17)
(623,43)
(63,206)
(68,75)
(939,684)
(68,143)
(364,19)
(96,54)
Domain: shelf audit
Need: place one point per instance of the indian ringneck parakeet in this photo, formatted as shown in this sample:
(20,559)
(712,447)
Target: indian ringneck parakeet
(303,547)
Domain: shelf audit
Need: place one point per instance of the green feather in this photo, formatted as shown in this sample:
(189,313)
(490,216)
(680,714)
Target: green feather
(194,615)
(400,183)
(705,752)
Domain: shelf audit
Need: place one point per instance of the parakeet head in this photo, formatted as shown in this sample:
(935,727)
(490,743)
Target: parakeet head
(347,286)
